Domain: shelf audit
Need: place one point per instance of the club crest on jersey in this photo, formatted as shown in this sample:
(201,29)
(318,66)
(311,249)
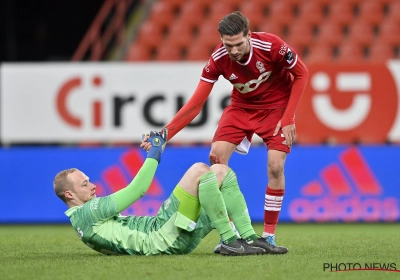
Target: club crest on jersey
(260,66)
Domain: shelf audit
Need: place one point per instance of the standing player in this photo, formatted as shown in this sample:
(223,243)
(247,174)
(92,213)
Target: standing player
(268,80)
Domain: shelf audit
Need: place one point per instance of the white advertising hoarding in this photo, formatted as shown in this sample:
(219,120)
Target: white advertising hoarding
(117,102)
(73,102)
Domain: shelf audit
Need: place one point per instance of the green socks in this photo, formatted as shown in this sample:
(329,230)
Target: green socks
(236,206)
(213,204)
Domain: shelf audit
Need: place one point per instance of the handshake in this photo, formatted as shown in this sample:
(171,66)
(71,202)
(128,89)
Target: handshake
(154,143)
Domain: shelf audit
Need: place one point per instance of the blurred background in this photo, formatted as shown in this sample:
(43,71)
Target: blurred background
(80,82)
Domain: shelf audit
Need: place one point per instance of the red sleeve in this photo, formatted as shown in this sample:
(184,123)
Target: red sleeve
(190,110)
(300,74)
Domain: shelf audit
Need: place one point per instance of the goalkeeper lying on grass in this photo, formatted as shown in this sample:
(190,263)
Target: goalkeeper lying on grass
(200,202)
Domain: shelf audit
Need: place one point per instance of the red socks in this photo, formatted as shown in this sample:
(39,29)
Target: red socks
(272,208)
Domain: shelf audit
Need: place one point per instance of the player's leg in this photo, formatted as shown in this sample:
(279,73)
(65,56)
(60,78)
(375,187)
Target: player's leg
(232,128)
(237,210)
(201,180)
(275,189)
(274,193)
(230,132)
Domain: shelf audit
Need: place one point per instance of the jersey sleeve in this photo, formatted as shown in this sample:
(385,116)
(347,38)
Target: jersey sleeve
(282,53)
(138,187)
(210,72)
(191,109)
(287,58)
(102,208)
(300,74)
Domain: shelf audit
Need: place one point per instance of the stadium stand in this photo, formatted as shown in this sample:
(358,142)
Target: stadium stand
(137,52)
(180,34)
(387,32)
(312,12)
(256,11)
(361,33)
(192,12)
(350,53)
(169,51)
(380,52)
(393,9)
(162,14)
(320,53)
(371,11)
(318,30)
(330,33)
(340,12)
(300,34)
(153,41)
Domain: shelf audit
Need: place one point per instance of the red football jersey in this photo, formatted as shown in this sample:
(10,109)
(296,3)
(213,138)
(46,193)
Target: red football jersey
(263,81)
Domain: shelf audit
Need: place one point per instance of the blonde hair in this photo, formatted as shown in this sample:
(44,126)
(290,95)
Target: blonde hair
(61,183)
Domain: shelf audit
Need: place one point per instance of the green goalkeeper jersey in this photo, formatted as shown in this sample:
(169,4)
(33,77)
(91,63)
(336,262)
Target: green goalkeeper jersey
(101,227)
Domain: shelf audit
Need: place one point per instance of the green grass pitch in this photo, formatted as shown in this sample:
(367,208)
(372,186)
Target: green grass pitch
(55,252)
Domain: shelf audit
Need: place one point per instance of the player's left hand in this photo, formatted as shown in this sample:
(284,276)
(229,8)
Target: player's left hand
(289,132)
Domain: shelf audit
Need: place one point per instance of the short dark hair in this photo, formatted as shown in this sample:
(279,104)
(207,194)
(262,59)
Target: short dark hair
(233,24)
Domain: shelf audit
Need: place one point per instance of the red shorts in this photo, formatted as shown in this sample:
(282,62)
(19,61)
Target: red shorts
(237,123)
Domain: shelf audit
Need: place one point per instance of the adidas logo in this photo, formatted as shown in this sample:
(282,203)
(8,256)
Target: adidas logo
(115,179)
(232,77)
(346,191)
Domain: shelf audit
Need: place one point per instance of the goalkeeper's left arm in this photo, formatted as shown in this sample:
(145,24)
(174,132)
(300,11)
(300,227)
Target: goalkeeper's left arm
(142,181)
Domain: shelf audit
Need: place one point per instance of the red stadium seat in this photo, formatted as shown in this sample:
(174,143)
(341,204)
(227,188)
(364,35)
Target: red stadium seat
(138,52)
(162,13)
(208,34)
(330,33)
(253,11)
(394,11)
(350,53)
(389,33)
(168,52)
(300,34)
(220,9)
(371,11)
(361,33)
(319,54)
(271,27)
(291,3)
(180,34)
(149,35)
(199,52)
(174,4)
(281,13)
(192,13)
(311,12)
(340,12)
(380,52)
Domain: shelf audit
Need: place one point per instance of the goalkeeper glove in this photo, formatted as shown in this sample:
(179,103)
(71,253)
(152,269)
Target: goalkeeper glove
(157,143)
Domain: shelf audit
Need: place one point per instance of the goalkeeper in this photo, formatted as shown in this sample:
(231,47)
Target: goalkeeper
(200,202)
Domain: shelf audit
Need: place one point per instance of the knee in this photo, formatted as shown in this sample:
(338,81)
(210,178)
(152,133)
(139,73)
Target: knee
(214,159)
(199,168)
(220,171)
(275,170)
